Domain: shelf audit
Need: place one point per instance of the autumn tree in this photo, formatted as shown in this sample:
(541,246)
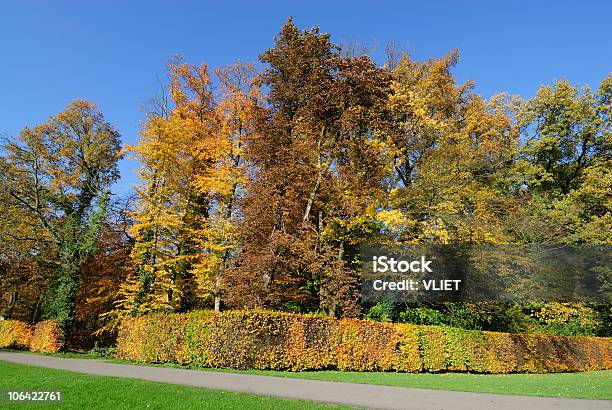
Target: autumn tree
(565,165)
(59,174)
(451,155)
(239,98)
(192,173)
(310,153)
(26,256)
(170,211)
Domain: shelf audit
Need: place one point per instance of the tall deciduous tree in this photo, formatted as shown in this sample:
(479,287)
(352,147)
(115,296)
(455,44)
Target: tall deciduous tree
(60,173)
(451,155)
(238,101)
(311,152)
(566,165)
(192,175)
(565,132)
(171,212)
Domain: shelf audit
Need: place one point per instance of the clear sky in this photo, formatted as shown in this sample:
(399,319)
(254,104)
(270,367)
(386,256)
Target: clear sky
(112,52)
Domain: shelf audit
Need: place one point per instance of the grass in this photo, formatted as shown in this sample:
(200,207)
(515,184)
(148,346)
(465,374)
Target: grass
(584,385)
(83,391)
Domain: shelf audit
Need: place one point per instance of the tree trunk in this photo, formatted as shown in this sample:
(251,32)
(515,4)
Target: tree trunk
(36,310)
(320,172)
(312,196)
(11,303)
(218,294)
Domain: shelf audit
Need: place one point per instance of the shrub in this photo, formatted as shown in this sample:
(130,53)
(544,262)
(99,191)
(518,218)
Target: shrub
(238,339)
(460,315)
(513,318)
(423,316)
(464,316)
(283,341)
(381,312)
(154,338)
(15,334)
(567,319)
(408,357)
(47,337)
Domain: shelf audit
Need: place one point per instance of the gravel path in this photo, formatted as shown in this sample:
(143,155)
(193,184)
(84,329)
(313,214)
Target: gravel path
(352,394)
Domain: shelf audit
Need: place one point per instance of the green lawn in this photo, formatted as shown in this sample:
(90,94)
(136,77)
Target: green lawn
(83,391)
(586,385)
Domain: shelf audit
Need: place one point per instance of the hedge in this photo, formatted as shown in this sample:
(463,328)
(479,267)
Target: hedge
(273,340)
(46,336)
(15,334)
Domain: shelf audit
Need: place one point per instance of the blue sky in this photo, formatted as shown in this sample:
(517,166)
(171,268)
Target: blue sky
(112,52)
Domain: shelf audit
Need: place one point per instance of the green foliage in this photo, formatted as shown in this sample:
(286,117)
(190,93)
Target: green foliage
(464,316)
(74,249)
(513,318)
(552,319)
(381,312)
(568,319)
(458,315)
(423,316)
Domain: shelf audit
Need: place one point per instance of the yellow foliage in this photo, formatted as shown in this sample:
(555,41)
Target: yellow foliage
(191,175)
(15,334)
(47,337)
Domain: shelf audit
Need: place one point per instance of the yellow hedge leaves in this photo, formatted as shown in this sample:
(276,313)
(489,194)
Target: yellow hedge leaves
(262,339)
(46,336)
(15,334)
(274,340)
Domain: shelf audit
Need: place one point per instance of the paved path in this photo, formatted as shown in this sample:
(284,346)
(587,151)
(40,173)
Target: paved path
(352,394)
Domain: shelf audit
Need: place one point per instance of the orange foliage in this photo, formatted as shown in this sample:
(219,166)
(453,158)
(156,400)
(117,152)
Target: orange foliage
(15,334)
(47,337)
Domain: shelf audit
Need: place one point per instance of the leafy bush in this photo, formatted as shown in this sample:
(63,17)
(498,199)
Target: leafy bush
(15,334)
(605,314)
(283,341)
(560,319)
(423,316)
(568,319)
(47,337)
(465,316)
(381,312)
(451,314)
(513,318)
